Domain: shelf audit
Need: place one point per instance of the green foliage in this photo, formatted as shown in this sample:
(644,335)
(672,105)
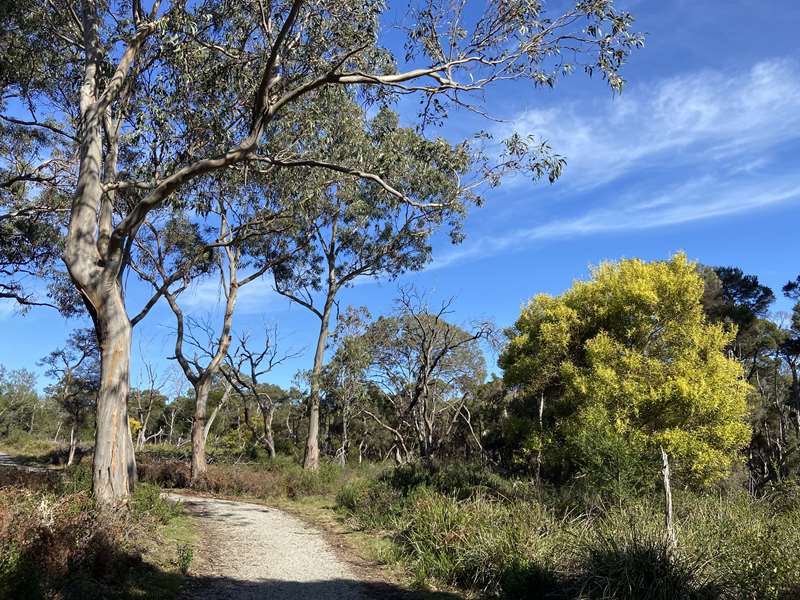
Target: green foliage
(627,362)
(458,480)
(148,502)
(476,543)
(751,545)
(371,504)
(627,564)
(185,554)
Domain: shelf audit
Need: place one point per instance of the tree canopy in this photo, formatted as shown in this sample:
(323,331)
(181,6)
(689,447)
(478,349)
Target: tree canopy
(626,363)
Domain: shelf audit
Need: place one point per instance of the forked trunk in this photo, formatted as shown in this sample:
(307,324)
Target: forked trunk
(199,465)
(114,467)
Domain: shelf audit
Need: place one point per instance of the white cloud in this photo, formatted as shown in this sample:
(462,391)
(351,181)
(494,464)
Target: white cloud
(704,198)
(710,135)
(706,117)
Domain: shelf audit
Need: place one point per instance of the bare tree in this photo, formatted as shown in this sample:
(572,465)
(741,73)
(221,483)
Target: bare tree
(143,402)
(245,370)
(426,368)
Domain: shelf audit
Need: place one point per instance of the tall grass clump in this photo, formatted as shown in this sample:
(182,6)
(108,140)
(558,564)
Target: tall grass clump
(627,563)
(481,544)
(750,545)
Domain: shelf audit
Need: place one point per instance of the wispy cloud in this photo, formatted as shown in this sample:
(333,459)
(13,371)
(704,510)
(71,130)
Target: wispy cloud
(687,148)
(707,115)
(696,200)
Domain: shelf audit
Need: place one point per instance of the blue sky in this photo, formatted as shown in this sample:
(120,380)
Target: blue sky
(700,154)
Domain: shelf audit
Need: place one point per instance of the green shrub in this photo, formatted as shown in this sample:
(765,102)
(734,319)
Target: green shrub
(185,554)
(480,543)
(750,547)
(371,504)
(148,501)
(460,480)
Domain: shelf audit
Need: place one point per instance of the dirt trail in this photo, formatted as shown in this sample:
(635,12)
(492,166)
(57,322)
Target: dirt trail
(259,552)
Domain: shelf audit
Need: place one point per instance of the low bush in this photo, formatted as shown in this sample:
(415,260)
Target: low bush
(55,544)
(371,504)
(477,543)
(626,563)
(459,480)
(281,477)
(749,546)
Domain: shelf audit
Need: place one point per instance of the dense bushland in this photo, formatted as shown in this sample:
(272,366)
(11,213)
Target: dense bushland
(468,527)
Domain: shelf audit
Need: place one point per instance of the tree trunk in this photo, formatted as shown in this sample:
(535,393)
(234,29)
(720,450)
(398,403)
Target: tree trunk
(541,440)
(199,466)
(171,425)
(361,447)
(668,525)
(114,467)
(343,447)
(311,459)
(73,442)
(269,439)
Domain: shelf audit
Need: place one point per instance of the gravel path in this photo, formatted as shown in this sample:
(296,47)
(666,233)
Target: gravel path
(6,460)
(259,552)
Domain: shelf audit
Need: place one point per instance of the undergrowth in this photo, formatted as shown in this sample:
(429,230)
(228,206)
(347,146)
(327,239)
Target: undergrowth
(54,543)
(477,531)
(463,526)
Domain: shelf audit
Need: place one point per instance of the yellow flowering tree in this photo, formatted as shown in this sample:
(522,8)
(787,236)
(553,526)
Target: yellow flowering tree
(627,362)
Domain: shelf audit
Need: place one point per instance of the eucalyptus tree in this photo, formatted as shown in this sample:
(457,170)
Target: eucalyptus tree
(343,379)
(76,369)
(200,87)
(364,231)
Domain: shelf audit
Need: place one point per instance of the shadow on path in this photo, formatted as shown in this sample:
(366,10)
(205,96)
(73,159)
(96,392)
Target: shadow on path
(224,588)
